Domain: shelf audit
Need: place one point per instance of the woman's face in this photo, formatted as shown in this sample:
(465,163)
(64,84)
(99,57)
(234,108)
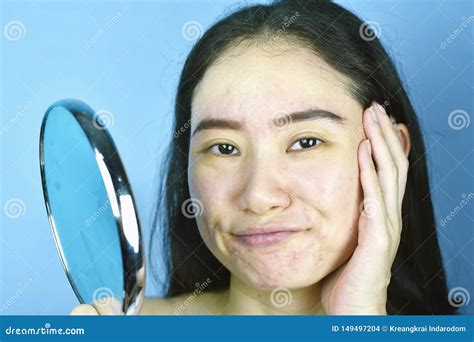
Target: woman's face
(264,157)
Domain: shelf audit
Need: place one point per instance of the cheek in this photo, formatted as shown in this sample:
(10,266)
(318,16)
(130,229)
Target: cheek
(330,185)
(212,187)
(333,191)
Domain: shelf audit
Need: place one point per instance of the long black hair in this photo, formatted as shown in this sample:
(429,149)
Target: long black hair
(351,47)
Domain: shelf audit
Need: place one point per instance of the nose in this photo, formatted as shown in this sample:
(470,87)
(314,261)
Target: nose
(263,188)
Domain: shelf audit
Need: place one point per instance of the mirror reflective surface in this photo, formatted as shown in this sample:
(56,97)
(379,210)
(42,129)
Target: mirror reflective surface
(91,208)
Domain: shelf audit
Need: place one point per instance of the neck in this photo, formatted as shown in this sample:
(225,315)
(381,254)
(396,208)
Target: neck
(243,299)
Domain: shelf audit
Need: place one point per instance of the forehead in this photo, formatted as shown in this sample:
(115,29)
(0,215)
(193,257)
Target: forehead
(252,83)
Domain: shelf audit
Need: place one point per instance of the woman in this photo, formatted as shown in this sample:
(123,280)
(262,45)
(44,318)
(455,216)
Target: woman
(300,153)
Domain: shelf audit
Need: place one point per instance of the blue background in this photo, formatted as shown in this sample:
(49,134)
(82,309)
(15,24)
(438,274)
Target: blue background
(126,57)
(257,328)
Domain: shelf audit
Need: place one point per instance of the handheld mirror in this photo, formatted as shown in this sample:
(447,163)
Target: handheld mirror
(91,208)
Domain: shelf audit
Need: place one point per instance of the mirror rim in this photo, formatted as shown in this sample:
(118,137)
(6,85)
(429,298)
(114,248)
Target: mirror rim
(132,252)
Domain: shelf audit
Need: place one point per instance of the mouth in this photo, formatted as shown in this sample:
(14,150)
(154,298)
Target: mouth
(267,235)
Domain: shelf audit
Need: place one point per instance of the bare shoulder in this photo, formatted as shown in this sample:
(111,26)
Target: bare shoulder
(192,303)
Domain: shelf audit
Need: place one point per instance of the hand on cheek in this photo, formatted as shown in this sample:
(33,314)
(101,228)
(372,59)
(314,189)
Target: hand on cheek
(360,285)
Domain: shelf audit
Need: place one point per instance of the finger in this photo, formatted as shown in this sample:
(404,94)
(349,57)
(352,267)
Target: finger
(386,168)
(108,306)
(85,310)
(392,136)
(374,206)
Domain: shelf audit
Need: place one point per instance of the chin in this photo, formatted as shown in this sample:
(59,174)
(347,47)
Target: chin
(267,277)
(269,283)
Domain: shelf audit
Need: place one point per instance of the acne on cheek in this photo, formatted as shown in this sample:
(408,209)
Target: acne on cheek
(308,264)
(259,270)
(306,260)
(291,262)
(303,255)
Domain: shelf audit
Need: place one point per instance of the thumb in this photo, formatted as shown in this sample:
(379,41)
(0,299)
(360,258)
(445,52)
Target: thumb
(84,310)
(108,306)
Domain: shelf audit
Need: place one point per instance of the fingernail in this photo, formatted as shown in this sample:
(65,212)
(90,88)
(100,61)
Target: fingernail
(381,108)
(367,145)
(374,113)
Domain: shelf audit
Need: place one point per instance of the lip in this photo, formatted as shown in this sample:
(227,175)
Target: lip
(266,235)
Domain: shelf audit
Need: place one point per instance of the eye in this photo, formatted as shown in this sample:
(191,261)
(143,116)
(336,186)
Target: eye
(223,149)
(305,144)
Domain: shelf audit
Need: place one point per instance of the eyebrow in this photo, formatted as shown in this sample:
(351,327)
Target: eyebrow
(306,115)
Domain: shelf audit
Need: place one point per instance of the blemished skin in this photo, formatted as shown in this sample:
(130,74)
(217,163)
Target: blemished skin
(316,174)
